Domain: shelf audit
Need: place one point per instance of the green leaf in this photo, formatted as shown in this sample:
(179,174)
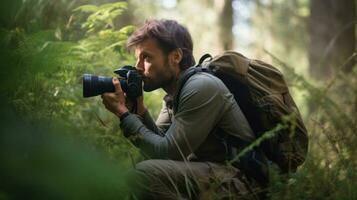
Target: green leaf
(118,5)
(127,30)
(86,9)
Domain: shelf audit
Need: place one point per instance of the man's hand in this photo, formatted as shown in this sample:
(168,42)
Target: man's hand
(115,102)
(140,109)
(141,106)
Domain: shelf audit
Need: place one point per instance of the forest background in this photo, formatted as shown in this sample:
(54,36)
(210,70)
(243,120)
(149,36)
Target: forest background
(56,144)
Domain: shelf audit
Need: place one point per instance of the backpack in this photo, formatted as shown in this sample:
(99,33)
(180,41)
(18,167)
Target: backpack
(263,96)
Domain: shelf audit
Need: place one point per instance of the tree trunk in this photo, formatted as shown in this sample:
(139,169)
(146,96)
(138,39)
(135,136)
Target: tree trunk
(332,36)
(226,25)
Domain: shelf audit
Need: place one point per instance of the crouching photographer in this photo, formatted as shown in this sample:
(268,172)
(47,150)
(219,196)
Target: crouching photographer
(186,156)
(201,127)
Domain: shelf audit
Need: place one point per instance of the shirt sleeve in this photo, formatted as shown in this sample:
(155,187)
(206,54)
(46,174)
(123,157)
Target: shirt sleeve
(150,123)
(162,123)
(201,105)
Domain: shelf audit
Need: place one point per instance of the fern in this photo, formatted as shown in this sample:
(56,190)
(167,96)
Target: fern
(101,17)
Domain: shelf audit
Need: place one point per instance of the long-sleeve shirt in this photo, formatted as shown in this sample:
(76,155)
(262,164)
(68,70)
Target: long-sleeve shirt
(206,111)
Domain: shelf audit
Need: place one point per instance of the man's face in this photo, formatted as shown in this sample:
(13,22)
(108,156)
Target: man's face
(153,65)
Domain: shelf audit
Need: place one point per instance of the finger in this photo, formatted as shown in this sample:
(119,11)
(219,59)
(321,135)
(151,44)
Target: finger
(141,98)
(105,95)
(104,102)
(117,86)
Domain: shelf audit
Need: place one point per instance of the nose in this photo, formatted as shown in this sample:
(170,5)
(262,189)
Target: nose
(139,66)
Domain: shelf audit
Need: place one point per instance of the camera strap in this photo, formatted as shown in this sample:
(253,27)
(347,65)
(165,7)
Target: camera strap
(134,109)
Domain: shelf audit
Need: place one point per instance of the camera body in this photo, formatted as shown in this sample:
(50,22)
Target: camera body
(130,82)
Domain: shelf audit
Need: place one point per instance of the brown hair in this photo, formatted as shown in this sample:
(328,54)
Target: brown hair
(169,35)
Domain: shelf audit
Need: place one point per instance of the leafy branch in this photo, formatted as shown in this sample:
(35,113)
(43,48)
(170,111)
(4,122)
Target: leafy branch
(101,17)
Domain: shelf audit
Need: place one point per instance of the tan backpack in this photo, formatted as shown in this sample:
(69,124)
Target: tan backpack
(263,95)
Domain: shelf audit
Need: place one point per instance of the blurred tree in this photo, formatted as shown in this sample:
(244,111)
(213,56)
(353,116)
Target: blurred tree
(332,36)
(280,27)
(226,24)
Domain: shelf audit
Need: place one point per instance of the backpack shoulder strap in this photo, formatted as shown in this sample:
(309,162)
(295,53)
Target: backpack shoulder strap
(203,58)
(186,75)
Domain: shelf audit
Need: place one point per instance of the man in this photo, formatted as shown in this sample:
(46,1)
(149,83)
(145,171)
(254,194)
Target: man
(186,148)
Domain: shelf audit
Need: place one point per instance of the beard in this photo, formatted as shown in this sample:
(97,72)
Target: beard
(149,85)
(155,83)
(158,80)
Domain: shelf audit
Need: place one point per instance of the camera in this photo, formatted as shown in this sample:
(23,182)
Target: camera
(130,82)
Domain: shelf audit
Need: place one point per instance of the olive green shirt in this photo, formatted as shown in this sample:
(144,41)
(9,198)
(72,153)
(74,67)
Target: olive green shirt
(206,111)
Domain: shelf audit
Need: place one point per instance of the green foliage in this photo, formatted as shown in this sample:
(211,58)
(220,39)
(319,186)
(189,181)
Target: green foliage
(48,45)
(41,79)
(265,136)
(330,171)
(38,162)
(101,17)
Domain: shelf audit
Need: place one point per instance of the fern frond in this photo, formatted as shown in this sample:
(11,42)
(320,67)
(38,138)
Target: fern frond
(86,9)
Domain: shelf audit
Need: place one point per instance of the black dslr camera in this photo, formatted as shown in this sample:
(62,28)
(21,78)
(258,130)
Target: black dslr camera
(130,82)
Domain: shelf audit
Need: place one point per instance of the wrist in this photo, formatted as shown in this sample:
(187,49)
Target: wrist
(124,115)
(120,112)
(141,109)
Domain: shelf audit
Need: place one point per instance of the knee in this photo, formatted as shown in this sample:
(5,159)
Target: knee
(148,166)
(143,166)
(141,174)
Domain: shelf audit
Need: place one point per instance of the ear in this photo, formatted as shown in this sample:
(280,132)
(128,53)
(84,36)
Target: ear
(176,56)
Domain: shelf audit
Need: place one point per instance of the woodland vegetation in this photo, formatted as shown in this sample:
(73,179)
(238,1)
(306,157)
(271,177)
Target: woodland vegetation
(55,144)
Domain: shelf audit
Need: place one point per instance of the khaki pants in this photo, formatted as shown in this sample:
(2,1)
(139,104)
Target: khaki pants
(168,179)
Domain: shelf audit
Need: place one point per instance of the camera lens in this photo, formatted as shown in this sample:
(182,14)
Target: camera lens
(96,85)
